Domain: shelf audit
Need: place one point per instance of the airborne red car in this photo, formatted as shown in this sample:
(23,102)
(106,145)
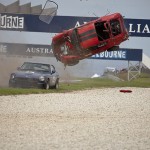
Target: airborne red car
(105,33)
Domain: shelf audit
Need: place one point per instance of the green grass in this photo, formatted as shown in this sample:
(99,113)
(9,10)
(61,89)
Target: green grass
(86,83)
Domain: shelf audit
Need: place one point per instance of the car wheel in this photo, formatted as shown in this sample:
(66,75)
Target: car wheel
(56,85)
(73,63)
(114,48)
(47,86)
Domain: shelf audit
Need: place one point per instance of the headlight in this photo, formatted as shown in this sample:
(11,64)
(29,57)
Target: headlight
(12,76)
(41,78)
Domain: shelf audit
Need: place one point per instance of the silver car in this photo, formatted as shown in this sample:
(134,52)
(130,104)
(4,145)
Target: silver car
(37,75)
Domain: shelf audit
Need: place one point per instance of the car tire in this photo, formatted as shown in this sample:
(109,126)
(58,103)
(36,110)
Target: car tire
(56,84)
(47,86)
(73,63)
(114,48)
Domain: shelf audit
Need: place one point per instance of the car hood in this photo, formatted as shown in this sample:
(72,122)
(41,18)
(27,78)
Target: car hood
(30,74)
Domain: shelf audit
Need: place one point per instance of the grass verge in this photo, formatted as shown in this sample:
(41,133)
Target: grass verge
(87,83)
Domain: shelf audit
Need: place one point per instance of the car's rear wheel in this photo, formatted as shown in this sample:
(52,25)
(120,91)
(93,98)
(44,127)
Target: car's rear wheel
(114,48)
(72,63)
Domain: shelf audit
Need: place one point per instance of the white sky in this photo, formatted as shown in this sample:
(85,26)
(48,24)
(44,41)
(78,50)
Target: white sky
(129,8)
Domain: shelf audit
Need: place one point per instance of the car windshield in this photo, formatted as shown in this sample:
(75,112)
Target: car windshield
(35,67)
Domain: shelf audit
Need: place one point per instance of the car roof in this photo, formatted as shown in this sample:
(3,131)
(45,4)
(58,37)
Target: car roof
(36,63)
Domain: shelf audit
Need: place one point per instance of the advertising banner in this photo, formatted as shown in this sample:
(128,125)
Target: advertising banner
(32,23)
(121,54)
(30,50)
(12,49)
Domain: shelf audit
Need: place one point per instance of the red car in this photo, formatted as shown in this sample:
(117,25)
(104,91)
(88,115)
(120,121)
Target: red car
(105,33)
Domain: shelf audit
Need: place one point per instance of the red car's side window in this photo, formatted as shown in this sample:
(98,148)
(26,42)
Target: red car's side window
(115,27)
(102,31)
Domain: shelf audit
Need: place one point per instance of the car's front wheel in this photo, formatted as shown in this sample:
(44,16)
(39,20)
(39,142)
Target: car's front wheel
(56,84)
(47,86)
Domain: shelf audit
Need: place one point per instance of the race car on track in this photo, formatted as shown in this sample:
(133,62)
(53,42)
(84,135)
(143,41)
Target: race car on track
(37,75)
(104,33)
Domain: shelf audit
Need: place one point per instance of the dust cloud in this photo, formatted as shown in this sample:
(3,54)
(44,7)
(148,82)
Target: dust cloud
(7,66)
